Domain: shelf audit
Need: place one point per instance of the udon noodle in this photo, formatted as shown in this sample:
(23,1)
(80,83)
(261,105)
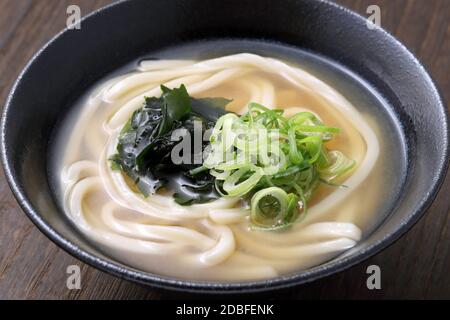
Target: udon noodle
(210,241)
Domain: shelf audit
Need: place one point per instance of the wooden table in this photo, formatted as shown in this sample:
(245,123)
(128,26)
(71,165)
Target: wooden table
(416,266)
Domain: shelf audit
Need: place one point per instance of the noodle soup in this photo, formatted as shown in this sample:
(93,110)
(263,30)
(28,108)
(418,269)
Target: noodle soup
(219,239)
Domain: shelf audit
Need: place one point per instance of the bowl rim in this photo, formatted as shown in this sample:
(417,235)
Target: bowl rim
(165,282)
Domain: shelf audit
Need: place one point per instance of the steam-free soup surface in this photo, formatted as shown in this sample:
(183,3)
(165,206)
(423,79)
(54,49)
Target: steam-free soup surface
(213,241)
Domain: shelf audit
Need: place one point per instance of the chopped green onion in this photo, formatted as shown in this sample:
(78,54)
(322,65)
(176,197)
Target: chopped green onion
(273,161)
(273,207)
(235,188)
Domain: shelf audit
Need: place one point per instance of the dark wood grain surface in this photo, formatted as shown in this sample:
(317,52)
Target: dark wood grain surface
(416,266)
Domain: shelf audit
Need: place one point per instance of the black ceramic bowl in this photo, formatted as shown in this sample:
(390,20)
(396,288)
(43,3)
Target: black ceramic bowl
(121,32)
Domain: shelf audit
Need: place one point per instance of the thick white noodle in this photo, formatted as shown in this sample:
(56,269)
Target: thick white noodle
(209,241)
